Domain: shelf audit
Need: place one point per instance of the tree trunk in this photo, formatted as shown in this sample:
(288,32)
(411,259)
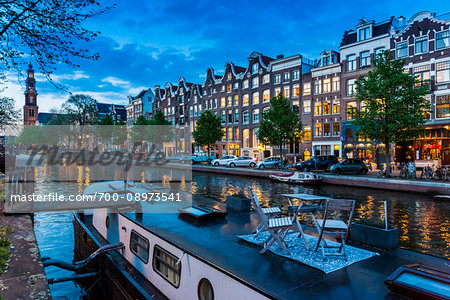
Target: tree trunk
(388,158)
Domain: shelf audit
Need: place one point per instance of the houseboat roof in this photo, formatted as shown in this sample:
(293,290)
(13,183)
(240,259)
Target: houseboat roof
(217,243)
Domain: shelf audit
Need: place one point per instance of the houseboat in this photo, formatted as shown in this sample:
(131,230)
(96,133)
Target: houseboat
(168,257)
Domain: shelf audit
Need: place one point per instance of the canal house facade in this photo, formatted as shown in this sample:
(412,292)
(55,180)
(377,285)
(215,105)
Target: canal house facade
(322,92)
(423,42)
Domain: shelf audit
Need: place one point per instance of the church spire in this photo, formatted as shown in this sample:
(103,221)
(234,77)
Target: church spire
(30,109)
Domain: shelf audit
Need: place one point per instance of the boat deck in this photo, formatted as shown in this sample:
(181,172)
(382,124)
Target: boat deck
(217,242)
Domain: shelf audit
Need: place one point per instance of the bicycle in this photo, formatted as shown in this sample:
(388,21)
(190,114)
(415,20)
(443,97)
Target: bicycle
(382,172)
(404,172)
(285,166)
(427,173)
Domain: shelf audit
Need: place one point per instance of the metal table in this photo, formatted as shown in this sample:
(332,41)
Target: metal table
(309,209)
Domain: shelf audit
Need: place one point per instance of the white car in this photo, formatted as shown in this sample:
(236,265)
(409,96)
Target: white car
(243,161)
(223,160)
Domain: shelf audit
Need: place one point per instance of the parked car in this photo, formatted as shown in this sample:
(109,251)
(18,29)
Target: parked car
(321,162)
(200,157)
(269,163)
(223,160)
(350,165)
(243,161)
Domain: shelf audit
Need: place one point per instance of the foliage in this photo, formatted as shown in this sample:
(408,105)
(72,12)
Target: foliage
(106,120)
(373,223)
(280,123)
(208,131)
(51,31)
(395,107)
(82,109)
(159,119)
(8,114)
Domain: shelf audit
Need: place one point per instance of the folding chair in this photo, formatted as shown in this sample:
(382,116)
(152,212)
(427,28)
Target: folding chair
(268,211)
(335,226)
(277,227)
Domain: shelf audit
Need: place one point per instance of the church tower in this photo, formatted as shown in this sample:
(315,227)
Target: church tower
(30,109)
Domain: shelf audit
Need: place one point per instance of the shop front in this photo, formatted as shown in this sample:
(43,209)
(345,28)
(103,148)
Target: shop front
(433,145)
(327,148)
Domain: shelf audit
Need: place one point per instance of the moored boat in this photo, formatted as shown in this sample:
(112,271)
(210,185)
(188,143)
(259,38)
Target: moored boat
(297,177)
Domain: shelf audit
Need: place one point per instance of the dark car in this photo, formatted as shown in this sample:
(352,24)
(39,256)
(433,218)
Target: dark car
(350,165)
(322,162)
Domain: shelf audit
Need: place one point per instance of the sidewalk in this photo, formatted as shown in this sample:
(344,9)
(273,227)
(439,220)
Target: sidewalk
(366,181)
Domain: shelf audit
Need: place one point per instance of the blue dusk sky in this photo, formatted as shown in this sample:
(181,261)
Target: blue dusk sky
(143,42)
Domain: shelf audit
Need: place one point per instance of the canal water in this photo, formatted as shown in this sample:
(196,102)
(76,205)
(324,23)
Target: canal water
(424,224)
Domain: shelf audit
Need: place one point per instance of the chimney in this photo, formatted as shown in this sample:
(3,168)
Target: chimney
(280,56)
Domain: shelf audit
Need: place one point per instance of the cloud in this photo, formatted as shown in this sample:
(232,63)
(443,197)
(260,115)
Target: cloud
(116,81)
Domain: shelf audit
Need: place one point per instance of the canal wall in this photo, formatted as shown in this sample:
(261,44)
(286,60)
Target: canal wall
(24,277)
(363,181)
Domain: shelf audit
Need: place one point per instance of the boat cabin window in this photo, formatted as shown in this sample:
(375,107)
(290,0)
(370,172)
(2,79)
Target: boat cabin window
(165,264)
(139,245)
(205,290)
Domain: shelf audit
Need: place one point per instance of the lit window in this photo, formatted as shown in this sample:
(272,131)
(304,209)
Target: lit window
(336,107)
(277,79)
(443,72)
(402,49)
(230,133)
(326,108)
(229,101)
(336,84)
(318,129)
(307,134)
(246,137)
(166,265)
(255,98)
(266,95)
(307,88)
(266,78)
(365,59)
(351,110)
(421,45)
(236,133)
(296,90)
(229,76)
(236,100)
(222,102)
(245,100)
(442,40)
(277,91)
(317,108)
(443,106)
(229,88)
(351,63)
(296,75)
(307,106)
(245,84)
(286,92)
(327,85)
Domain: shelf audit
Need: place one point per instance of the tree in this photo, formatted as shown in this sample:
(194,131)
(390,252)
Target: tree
(394,105)
(50,31)
(159,119)
(280,124)
(208,131)
(82,109)
(8,114)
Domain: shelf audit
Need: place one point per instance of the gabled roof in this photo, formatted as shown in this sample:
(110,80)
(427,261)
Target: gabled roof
(350,36)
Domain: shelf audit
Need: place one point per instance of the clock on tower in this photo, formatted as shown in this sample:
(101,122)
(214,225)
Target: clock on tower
(30,109)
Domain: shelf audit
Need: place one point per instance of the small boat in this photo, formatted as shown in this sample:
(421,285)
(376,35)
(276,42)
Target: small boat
(201,212)
(442,197)
(297,177)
